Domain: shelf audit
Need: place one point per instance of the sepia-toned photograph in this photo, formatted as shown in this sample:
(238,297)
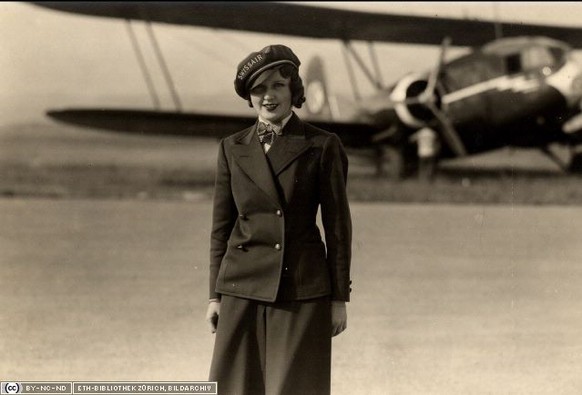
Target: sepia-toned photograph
(291,198)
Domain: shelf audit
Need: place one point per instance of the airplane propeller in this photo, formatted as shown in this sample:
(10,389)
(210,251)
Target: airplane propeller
(432,80)
(428,99)
(448,131)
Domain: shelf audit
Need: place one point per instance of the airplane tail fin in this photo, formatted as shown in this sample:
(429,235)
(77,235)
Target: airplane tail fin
(319,103)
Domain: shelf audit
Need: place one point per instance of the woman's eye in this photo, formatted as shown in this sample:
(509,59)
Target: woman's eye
(257,90)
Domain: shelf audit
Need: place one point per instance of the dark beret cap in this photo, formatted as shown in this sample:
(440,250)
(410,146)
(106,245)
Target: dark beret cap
(253,65)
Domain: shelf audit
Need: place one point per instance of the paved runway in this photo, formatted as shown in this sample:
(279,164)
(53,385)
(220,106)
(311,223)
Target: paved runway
(446,300)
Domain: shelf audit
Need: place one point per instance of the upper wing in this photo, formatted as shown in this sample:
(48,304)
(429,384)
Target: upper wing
(316,22)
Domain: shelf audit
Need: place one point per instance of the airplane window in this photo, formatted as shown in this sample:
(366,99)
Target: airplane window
(558,54)
(513,63)
(464,74)
(537,57)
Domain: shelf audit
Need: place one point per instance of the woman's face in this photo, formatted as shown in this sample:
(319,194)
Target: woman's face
(271,96)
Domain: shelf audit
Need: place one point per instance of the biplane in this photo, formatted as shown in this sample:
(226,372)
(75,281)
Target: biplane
(518,86)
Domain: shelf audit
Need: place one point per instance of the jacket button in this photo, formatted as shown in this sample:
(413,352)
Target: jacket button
(279,213)
(242,217)
(278,247)
(240,247)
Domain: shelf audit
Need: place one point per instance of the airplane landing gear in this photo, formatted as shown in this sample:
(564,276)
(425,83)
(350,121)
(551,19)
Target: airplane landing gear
(575,166)
(395,163)
(389,162)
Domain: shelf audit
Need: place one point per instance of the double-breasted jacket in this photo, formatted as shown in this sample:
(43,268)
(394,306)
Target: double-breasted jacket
(264,225)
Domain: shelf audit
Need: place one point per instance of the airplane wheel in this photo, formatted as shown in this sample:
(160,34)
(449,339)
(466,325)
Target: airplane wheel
(576,164)
(390,163)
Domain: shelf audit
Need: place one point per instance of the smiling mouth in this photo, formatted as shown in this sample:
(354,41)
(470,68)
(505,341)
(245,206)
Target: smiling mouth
(270,107)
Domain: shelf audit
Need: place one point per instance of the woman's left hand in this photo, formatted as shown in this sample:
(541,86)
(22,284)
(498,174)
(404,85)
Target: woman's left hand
(212,314)
(339,317)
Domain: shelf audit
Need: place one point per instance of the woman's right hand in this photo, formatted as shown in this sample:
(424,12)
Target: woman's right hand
(212,314)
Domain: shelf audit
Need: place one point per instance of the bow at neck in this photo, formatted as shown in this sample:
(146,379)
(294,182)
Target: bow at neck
(267,132)
(269,128)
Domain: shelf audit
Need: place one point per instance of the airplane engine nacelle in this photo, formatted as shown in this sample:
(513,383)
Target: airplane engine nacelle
(412,114)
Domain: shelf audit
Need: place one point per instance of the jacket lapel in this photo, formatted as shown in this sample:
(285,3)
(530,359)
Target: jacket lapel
(289,146)
(249,155)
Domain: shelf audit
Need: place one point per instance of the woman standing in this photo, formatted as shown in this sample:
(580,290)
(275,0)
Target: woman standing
(277,292)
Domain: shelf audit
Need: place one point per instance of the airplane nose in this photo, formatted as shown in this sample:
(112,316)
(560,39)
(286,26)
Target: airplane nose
(574,124)
(577,85)
(568,81)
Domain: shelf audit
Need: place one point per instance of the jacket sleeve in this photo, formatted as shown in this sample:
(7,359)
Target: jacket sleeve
(223,218)
(336,218)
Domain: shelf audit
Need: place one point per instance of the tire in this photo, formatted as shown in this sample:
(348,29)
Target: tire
(576,164)
(390,163)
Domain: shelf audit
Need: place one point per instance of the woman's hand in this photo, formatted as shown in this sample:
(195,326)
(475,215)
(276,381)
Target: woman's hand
(339,317)
(212,314)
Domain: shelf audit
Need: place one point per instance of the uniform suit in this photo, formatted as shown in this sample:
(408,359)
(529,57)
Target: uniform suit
(268,259)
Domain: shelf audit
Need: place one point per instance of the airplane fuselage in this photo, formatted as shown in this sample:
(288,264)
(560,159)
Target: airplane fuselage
(512,92)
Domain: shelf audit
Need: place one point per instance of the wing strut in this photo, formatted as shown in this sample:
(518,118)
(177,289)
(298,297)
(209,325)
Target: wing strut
(498,25)
(353,81)
(362,65)
(143,66)
(554,158)
(164,67)
(376,65)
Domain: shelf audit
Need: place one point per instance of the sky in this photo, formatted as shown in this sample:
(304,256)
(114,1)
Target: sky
(56,60)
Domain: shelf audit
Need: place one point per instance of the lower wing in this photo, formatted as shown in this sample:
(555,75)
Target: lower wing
(167,123)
